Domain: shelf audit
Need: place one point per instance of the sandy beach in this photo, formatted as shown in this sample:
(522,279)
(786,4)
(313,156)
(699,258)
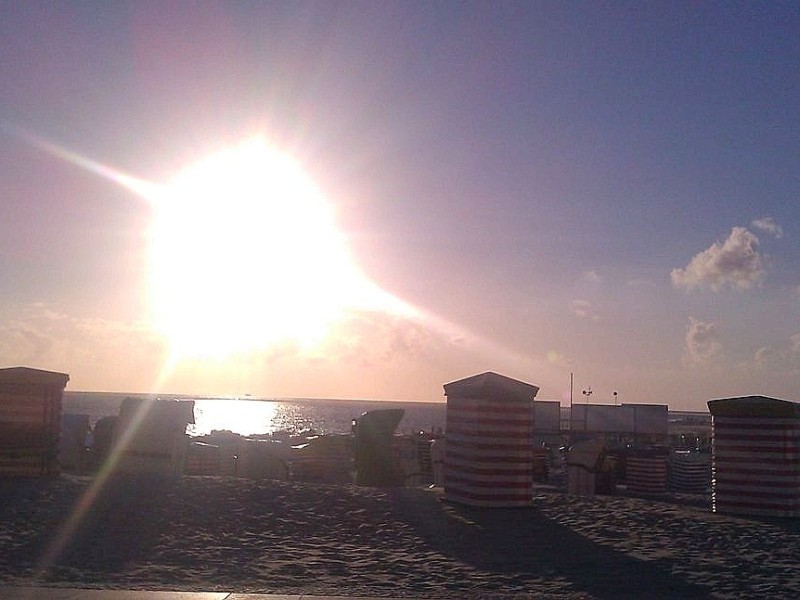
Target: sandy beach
(207,534)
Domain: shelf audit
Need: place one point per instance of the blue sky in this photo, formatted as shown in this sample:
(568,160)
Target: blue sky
(604,189)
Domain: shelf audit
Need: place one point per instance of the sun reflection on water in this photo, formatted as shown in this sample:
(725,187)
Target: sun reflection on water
(245,417)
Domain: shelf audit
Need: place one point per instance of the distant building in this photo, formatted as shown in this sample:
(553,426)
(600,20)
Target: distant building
(638,421)
(546,416)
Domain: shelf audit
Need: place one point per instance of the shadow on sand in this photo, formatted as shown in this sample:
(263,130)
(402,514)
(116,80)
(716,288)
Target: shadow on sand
(524,542)
(90,539)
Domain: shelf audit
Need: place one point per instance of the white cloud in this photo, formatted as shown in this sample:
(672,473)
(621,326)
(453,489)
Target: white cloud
(781,356)
(583,310)
(557,358)
(735,262)
(766,356)
(591,277)
(768,225)
(702,344)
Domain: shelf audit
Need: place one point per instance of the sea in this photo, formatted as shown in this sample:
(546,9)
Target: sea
(258,416)
(263,416)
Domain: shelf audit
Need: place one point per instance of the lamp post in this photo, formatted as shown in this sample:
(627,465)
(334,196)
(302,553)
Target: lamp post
(588,394)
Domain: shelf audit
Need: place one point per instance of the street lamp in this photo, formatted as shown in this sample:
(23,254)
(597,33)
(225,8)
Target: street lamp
(587,393)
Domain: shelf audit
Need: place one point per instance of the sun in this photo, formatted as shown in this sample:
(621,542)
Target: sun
(246,254)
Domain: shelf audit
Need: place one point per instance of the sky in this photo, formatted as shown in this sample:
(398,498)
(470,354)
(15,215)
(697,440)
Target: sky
(372,199)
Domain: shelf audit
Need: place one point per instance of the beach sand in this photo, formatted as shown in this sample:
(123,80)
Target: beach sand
(208,534)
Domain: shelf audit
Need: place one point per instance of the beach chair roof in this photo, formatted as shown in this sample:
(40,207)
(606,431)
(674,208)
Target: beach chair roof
(753,406)
(491,385)
(29,375)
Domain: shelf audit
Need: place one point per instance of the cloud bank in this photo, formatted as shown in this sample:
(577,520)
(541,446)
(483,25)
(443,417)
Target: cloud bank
(127,356)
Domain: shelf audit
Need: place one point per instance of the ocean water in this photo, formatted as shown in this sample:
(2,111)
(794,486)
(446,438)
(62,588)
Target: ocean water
(253,416)
(262,416)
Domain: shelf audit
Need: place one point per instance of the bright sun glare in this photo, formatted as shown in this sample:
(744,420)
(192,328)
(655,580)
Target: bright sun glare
(246,254)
